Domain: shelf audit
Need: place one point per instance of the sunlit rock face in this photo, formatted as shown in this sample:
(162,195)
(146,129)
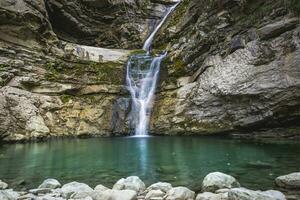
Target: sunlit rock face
(229,70)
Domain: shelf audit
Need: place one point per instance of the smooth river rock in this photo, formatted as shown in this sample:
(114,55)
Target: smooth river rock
(130,183)
(40,191)
(290,181)
(3,185)
(100,188)
(218,180)
(246,194)
(212,196)
(180,193)
(8,195)
(163,186)
(68,189)
(50,183)
(154,194)
(117,195)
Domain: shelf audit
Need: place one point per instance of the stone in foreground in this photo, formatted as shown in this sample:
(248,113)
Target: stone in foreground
(3,185)
(117,195)
(100,188)
(163,186)
(212,196)
(181,193)
(290,181)
(40,191)
(50,183)
(68,189)
(217,180)
(245,194)
(130,183)
(8,195)
(154,194)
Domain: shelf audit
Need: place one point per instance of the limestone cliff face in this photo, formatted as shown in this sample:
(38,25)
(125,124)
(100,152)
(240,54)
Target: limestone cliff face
(50,95)
(51,83)
(233,66)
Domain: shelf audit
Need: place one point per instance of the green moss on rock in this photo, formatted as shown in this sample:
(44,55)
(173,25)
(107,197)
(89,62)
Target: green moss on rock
(176,68)
(3,66)
(65,98)
(106,72)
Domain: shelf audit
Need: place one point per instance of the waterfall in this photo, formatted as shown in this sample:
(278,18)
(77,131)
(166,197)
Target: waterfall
(149,40)
(141,77)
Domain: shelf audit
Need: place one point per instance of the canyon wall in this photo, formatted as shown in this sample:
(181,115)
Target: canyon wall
(232,67)
(51,84)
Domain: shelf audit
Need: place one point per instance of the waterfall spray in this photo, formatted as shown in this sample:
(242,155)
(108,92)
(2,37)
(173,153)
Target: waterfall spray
(141,77)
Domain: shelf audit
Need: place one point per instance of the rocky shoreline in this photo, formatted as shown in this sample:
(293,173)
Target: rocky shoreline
(215,186)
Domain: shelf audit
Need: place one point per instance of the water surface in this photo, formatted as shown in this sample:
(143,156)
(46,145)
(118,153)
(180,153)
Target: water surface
(178,160)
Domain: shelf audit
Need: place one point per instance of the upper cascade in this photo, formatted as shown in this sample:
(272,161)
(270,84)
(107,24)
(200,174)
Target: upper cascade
(148,42)
(141,77)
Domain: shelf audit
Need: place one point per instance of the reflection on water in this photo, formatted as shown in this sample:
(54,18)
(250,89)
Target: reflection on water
(179,160)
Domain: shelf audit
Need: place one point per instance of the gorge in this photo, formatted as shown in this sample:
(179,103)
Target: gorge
(225,72)
(213,85)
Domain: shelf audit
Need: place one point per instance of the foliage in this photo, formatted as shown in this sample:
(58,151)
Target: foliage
(2,66)
(65,98)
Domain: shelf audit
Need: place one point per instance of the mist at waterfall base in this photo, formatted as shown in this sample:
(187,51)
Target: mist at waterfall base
(141,77)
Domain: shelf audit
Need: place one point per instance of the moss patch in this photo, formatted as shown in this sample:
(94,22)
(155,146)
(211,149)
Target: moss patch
(3,66)
(108,72)
(138,51)
(65,98)
(176,68)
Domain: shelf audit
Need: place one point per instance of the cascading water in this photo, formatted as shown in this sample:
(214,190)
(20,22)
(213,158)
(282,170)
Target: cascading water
(141,77)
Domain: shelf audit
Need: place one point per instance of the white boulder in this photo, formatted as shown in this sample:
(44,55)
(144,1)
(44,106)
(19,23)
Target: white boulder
(290,181)
(218,180)
(180,193)
(68,189)
(246,194)
(50,183)
(130,183)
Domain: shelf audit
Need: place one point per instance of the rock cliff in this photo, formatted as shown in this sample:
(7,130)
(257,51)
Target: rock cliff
(107,23)
(51,83)
(233,66)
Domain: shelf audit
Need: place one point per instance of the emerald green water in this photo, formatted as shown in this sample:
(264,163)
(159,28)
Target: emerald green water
(178,160)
